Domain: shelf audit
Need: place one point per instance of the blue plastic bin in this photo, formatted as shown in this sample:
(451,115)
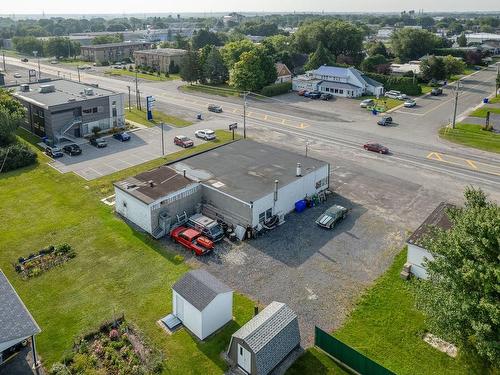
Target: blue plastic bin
(300,206)
(485,100)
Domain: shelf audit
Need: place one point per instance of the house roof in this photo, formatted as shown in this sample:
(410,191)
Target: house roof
(437,219)
(370,81)
(263,327)
(16,321)
(282,70)
(199,288)
(162,52)
(331,71)
(116,45)
(155,184)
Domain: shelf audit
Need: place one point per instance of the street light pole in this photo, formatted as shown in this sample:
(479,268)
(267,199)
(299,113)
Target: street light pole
(38,57)
(245,114)
(129,107)
(162,141)
(78,70)
(455,106)
(4,68)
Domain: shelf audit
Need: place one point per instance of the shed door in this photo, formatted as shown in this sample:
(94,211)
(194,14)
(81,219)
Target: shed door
(244,359)
(179,303)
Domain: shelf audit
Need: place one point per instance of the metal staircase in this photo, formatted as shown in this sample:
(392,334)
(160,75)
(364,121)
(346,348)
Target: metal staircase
(62,133)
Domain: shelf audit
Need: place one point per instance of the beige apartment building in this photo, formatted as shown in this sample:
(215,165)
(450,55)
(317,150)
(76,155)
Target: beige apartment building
(159,59)
(112,52)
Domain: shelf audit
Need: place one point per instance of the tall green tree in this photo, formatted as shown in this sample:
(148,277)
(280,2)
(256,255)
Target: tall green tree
(453,66)
(105,39)
(203,38)
(214,69)
(319,57)
(372,63)
(12,115)
(409,44)
(253,71)
(377,48)
(461,298)
(433,67)
(190,70)
(61,46)
(232,51)
(462,40)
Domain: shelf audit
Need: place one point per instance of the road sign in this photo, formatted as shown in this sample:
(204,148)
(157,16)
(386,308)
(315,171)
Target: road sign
(149,105)
(233,126)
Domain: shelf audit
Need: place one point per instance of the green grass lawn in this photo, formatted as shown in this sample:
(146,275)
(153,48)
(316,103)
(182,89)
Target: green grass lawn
(466,72)
(386,327)
(481,112)
(495,100)
(75,62)
(221,90)
(472,135)
(116,270)
(388,103)
(151,77)
(426,89)
(158,117)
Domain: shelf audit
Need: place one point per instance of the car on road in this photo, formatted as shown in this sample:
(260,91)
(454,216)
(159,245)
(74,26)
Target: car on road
(206,134)
(214,108)
(122,136)
(436,91)
(409,103)
(54,62)
(72,149)
(24,60)
(367,103)
(332,216)
(302,92)
(98,142)
(183,141)
(326,96)
(17,75)
(384,121)
(53,152)
(192,240)
(376,147)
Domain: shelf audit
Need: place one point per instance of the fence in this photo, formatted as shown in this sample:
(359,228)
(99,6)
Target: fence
(347,355)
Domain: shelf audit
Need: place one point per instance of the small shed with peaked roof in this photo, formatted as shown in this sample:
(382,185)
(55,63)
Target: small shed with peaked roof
(202,302)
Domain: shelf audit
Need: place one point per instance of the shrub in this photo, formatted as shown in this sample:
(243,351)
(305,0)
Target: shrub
(276,89)
(16,156)
(403,84)
(59,369)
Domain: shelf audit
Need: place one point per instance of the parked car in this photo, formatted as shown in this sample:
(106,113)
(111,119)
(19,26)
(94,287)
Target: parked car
(192,240)
(208,227)
(436,91)
(98,142)
(409,103)
(53,152)
(367,103)
(122,136)
(384,121)
(376,147)
(72,149)
(17,75)
(326,96)
(24,60)
(332,216)
(214,108)
(302,92)
(54,62)
(396,95)
(183,141)
(313,95)
(206,134)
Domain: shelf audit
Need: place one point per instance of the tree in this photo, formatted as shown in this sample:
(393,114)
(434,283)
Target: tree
(461,296)
(61,46)
(204,38)
(253,71)
(453,66)
(462,40)
(190,67)
(105,39)
(28,44)
(214,69)
(377,48)
(319,57)
(372,63)
(232,51)
(12,115)
(433,68)
(410,44)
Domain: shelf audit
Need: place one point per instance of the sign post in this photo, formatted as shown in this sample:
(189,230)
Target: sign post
(150,104)
(233,127)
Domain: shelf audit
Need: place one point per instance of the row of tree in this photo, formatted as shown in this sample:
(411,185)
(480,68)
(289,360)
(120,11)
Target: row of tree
(441,67)
(57,46)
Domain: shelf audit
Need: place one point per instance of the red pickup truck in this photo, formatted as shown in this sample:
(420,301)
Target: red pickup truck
(192,240)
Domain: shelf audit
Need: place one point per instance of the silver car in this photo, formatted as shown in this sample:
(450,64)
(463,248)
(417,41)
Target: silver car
(331,216)
(206,134)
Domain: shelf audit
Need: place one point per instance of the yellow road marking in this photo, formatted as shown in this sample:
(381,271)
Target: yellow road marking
(235,110)
(471,163)
(265,117)
(283,121)
(462,162)
(434,156)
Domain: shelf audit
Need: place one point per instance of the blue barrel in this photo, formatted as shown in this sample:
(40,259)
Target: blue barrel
(485,100)
(374,111)
(300,206)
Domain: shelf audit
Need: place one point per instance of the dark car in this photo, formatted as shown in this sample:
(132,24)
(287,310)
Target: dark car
(24,60)
(72,149)
(436,91)
(313,95)
(332,216)
(326,96)
(98,142)
(183,141)
(376,147)
(53,152)
(122,136)
(384,121)
(214,108)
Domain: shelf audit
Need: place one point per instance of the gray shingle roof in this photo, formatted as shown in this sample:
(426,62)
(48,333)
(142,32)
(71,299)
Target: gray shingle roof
(199,288)
(15,320)
(437,219)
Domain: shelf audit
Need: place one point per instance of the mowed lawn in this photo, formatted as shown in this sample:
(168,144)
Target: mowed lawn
(116,270)
(472,135)
(482,111)
(386,327)
(140,116)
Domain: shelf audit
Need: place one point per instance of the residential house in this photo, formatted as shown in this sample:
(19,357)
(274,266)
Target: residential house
(284,74)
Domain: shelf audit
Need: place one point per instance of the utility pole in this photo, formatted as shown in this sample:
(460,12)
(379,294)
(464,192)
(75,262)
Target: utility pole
(137,99)
(245,114)
(162,141)
(455,106)
(4,68)
(129,106)
(307,147)
(78,70)
(38,57)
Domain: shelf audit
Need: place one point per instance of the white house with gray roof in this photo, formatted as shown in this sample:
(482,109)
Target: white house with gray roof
(338,81)
(266,340)
(202,302)
(16,323)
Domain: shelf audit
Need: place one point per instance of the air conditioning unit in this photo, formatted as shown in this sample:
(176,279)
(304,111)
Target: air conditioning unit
(25,87)
(47,88)
(88,91)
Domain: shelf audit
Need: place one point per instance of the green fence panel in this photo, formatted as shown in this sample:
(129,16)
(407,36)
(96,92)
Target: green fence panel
(347,355)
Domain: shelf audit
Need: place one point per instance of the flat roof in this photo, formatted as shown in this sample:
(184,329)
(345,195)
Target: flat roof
(246,169)
(16,322)
(163,51)
(119,44)
(65,91)
(152,185)
(437,219)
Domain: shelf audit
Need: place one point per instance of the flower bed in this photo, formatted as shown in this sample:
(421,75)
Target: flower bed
(115,349)
(37,263)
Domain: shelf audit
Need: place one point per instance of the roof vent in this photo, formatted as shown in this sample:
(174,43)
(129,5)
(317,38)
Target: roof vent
(131,186)
(47,88)
(89,91)
(25,87)
(299,170)
(71,100)
(151,183)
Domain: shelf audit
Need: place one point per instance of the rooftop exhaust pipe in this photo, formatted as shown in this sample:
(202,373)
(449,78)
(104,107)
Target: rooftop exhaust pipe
(184,173)
(276,182)
(299,170)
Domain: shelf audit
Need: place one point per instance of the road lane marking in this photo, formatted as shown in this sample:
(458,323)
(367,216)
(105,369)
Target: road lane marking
(462,162)
(434,156)
(471,163)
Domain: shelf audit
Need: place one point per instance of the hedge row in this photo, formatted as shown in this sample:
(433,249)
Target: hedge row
(16,156)
(403,84)
(276,89)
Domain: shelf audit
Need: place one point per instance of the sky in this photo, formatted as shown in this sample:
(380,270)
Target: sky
(162,6)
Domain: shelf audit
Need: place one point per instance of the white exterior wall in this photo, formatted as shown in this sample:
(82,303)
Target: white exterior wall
(281,79)
(192,317)
(416,257)
(133,209)
(291,193)
(217,314)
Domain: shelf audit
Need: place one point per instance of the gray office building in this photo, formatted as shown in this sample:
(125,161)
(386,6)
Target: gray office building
(62,110)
